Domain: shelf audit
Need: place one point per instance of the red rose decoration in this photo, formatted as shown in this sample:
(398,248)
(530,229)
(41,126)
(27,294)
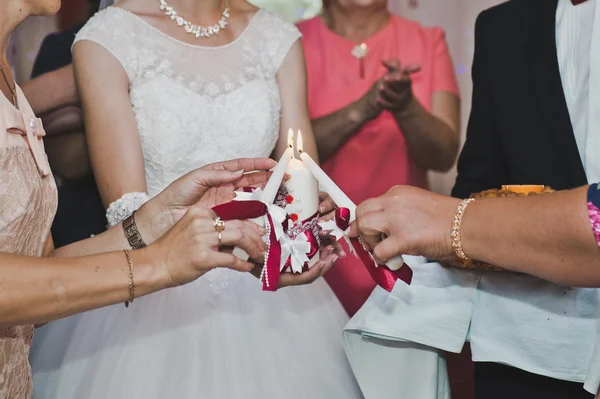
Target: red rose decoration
(289,199)
(294,217)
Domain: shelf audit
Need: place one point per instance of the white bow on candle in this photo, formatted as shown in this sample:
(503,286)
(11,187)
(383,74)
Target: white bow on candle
(297,250)
(333,229)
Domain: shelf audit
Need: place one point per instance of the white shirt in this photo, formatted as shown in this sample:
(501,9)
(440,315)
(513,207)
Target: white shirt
(509,318)
(574,26)
(578,50)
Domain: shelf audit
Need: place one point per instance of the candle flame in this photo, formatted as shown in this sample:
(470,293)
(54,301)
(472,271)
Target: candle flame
(290,138)
(299,143)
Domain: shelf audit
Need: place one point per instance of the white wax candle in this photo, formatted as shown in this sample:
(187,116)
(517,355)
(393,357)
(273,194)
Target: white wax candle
(272,186)
(341,199)
(327,185)
(304,189)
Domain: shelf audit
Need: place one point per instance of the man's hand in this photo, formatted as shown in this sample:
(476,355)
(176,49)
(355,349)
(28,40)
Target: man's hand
(406,220)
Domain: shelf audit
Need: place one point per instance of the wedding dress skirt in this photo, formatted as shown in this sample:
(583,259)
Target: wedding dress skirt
(220,337)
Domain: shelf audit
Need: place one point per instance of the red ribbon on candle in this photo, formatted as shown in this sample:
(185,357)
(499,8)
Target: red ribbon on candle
(249,210)
(384,277)
(314,242)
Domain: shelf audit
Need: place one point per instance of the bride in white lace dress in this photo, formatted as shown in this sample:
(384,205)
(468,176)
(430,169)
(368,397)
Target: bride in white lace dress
(159,102)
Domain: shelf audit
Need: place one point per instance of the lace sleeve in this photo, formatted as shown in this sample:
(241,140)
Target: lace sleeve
(124,207)
(280,35)
(109,29)
(594,209)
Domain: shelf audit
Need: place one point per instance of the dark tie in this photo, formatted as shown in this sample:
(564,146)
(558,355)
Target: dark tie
(576,2)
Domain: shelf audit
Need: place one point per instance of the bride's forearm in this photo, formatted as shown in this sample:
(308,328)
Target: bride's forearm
(149,220)
(38,290)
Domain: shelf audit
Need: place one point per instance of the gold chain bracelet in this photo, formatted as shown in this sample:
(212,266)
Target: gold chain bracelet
(456,225)
(131,281)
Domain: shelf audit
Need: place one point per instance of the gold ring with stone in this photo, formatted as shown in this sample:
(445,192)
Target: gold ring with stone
(218,224)
(220,237)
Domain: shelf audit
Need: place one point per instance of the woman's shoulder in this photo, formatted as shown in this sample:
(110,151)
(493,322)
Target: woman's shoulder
(110,22)
(274,24)
(416,34)
(310,27)
(412,29)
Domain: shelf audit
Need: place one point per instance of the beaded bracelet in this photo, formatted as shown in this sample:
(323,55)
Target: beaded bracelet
(456,225)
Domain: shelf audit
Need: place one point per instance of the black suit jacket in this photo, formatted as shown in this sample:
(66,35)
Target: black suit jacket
(519,130)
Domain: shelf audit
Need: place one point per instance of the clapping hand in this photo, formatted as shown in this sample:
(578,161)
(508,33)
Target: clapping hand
(395,88)
(392,92)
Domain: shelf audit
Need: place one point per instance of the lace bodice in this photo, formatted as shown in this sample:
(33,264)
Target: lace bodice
(28,203)
(196,105)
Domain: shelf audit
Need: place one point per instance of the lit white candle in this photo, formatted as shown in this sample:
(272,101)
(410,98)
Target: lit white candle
(272,186)
(328,186)
(341,199)
(302,187)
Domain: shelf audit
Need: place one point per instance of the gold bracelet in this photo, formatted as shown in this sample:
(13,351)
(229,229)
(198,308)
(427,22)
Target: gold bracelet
(131,282)
(456,225)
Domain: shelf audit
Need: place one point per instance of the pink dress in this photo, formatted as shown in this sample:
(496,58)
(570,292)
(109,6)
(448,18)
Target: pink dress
(376,158)
(27,206)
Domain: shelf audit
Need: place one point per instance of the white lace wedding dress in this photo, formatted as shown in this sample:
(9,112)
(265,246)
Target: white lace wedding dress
(220,337)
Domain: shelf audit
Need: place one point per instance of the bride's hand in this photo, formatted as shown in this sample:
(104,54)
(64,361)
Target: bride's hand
(326,207)
(208,186)
(329,256)
(191,247)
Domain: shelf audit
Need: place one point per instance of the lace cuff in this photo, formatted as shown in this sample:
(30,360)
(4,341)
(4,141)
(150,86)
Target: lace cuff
(124,207)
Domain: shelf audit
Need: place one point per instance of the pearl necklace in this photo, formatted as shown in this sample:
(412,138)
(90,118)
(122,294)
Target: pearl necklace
(193,29)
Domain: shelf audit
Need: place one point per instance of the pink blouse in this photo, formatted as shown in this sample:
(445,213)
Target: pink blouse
(376,158)
(28,201)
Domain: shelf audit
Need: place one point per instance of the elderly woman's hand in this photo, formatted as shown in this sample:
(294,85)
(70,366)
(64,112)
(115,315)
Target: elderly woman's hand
(206,187)
(395,88)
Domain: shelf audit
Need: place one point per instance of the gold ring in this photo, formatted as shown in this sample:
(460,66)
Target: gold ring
(218,224)
(220,237)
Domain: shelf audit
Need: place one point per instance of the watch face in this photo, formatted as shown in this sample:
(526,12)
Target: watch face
(291,10)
